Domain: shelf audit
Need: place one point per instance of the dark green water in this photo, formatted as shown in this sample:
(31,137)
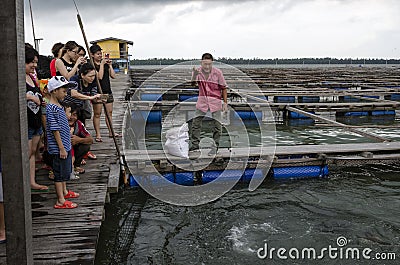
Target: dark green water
(359,203)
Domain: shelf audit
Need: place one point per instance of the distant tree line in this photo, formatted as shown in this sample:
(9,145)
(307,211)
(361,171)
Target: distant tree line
(327,60)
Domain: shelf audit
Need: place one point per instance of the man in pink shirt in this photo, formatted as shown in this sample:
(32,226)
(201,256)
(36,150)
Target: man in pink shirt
(212,86)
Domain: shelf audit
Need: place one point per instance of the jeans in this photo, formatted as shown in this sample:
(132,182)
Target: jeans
(197,124)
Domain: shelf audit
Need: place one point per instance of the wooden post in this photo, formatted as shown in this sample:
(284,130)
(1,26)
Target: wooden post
(14,135)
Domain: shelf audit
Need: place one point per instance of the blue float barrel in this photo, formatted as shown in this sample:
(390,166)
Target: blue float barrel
(304,99)
(150,97)
(284,99)
(365,96)
(181,178)
(228,175)
(188,98)
(300,172)
(356,113)
(247,115)
(296,115)
(383,112)
(252,173)
(348,99)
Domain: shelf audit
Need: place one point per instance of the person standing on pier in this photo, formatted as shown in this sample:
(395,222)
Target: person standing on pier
(34,102)
(59,142)
(69,62)
(212,85)
(105,71)
(57,53)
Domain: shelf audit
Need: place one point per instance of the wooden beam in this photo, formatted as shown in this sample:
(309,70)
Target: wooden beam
(344,126)
(14,135)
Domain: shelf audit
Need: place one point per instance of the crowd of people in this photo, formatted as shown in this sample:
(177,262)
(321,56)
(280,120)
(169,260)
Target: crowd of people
(58,108)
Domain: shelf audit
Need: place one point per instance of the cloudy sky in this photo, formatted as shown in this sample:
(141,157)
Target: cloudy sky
(226,28)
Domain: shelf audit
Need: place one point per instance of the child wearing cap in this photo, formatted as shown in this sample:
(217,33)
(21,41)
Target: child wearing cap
(59,141)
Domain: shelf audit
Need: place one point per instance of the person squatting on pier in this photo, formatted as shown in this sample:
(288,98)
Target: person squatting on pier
(211,84)
(81,139)
(59,142)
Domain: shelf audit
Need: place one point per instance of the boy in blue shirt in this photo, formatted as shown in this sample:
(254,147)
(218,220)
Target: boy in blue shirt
(59,141)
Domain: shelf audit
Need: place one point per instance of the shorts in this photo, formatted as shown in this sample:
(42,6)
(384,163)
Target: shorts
(110,99)
(33,132)
(62,168)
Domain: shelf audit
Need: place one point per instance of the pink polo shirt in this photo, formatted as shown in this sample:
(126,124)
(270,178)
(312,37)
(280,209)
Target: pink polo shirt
(210,90)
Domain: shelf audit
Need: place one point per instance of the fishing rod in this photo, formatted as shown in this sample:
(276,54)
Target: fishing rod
(97,79)
(33,27)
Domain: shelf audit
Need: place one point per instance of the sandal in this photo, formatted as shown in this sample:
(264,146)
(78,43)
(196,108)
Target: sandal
(98,139)
(116,135)
(74,176)
(79,170)
(66,205)
(90,155)
(83,162)
(71,195)
(51,175)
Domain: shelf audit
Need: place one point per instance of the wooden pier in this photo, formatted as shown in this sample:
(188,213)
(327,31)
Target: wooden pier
(256,90)
(70,236)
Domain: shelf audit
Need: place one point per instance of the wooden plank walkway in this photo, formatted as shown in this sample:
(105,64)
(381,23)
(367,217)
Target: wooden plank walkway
(70,236)
(331,149)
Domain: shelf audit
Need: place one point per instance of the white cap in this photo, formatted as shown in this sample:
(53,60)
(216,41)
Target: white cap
(57,82)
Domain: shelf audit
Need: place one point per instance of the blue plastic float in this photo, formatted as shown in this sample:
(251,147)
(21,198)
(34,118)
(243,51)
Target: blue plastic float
(154,116)
(296,115)
(303,99)
(247,115)
(151,97)
(188,98)
(382,112)
(284,99)
(300,172)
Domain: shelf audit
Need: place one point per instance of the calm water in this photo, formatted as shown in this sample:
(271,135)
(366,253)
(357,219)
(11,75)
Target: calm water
(359,203)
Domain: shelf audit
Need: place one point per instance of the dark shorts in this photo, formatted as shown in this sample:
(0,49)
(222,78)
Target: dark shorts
(33,132)
(110,99)
(62,168)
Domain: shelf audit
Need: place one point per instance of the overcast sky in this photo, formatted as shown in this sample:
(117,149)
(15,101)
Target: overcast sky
(226,28)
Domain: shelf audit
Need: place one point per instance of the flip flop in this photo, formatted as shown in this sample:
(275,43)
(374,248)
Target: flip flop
(66,205)
(116,135)
(92,156)
(51,175)
(71,195)
(83,162)
(98,139)
(3,241)
(79,170)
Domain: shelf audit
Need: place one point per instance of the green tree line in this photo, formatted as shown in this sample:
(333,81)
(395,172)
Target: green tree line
(327,60)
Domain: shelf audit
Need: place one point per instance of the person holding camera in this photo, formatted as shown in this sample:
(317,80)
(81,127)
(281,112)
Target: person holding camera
(69,62)
(105,72)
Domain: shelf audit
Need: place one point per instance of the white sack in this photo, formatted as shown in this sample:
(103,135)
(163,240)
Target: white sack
(177,143)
